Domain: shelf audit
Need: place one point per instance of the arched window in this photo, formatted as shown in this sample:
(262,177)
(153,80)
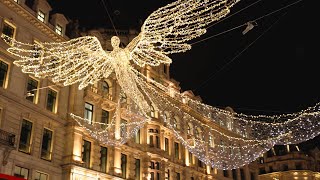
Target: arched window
(152,112)
(176,123)
(105,88)
(211,141)
(198,133)
(190,129)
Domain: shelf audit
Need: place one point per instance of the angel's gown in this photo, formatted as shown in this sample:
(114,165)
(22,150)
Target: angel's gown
(217,137)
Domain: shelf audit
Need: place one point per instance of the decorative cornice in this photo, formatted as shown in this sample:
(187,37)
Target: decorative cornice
(24,13)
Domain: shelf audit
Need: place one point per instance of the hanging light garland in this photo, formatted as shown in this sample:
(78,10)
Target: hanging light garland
(224,140)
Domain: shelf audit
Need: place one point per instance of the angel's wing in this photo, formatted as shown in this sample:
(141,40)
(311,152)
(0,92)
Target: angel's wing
(168,29)
(78,60)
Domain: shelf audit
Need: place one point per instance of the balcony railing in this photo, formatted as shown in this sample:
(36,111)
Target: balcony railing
(7,138)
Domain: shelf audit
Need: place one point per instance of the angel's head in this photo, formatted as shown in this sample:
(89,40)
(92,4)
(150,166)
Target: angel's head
(115,42)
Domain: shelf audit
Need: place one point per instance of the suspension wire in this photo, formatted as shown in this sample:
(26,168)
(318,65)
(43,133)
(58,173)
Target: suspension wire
(268,14)
(105,7)
(234,14)
(203,84)
(41,88)
(223,32)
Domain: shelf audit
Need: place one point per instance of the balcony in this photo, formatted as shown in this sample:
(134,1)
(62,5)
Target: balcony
(6,138)
(97,93)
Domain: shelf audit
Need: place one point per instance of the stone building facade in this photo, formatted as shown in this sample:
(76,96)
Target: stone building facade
(288,163)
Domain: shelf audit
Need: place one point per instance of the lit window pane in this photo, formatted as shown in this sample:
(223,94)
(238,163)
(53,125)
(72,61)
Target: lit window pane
(32,87)
(41,16)
(46,144)
(58,29)
(25,136)
(21,172)
(3,73)
(86,153)
(9,31)
(88,112)
(51,100)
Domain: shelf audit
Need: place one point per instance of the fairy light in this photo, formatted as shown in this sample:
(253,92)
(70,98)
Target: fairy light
(227,140)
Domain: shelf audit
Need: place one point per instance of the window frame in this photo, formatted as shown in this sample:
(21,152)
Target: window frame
(51,144)
(102,117)
(59,29)
(124,174)
(92,112)
(41,174)
(106,159)
(86,164)
(39,16)
(14,27)
(14,174)
(6,77)
(56,100)
(31,136)
(36,94)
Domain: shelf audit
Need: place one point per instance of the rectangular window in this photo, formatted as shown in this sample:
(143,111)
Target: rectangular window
(25,136)
(104,118)
(262,171)
(88,112)
(190,158)
(167,174)
(41,16)
(3,73)
(137,137)
(176,150)
(8,31)
(151,141)
(166,144)
(59,29)
(0,116)
(242,174)
(123,128)
(285,167)
(178,176)
(51,100)
(32,90)
(234,174)
(86,152)
(38,47)
(46,144)
(157,142)
(298,165)
(164,69)
(21,172)
(158,176)
(252,176)
(41,176)
(103,159)
(151,175)
(123,165)
(225,173)
(200,163)
(137,169)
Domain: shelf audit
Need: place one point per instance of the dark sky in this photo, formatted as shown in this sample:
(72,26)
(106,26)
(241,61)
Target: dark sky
(277,74)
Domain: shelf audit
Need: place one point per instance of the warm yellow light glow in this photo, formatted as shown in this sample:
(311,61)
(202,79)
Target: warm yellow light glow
(223,139)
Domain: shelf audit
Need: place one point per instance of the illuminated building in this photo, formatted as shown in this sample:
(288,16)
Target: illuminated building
(289,163)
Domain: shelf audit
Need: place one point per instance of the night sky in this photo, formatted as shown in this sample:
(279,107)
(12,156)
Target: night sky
(276,74)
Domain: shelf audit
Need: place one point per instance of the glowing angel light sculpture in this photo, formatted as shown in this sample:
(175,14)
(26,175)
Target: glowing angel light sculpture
(217,137)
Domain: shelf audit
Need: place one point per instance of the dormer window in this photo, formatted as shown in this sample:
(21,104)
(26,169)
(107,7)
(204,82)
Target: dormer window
(41,16)
(59,29)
